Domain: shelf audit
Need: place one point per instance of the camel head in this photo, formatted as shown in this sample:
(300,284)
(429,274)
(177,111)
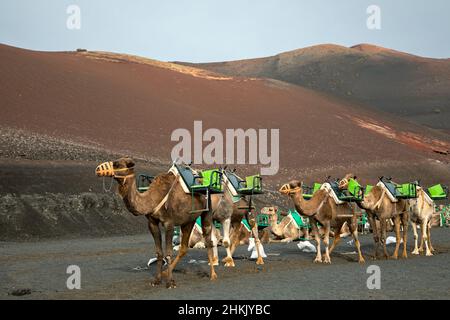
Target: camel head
(292,187)
(343,183)
(372,198)
(118,169)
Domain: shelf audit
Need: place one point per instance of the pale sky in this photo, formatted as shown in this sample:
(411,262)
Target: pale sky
(213,30)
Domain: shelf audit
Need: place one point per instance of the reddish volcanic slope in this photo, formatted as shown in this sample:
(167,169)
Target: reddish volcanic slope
(409,86)
(131,105)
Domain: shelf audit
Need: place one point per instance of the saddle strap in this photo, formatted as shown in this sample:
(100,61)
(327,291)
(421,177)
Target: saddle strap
(164,200)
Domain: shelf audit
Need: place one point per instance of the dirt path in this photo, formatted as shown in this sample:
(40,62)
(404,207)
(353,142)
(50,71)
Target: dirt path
(115,268)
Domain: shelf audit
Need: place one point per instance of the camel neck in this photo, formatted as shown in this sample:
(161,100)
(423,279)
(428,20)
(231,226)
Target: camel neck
(307,208)
(131,196)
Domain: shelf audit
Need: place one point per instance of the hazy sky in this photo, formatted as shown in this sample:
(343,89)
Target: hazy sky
(212,30)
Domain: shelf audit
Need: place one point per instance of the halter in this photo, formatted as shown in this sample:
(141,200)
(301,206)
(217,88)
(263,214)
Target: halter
(287,190)
(106,169)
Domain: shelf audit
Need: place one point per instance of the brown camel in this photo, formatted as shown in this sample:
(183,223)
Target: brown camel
(378,206)
(321,208)
(230,215)
(422,210)
(165,203)
(285,231)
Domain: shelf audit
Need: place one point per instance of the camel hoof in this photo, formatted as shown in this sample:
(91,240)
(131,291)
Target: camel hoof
(361,261)
(171,284)
(416,252)
(393,257)
(429,254)
(318,260)
(155,282)
(259,261)
(228,262)
(213,277)
(420,249)
(327,260)
(405,256)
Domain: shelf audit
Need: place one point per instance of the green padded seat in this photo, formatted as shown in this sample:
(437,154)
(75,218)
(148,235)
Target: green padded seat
(355,190)
(406,191)
(251,185)
(299,220)
(368,189)
(309,192)
(262,220)
(246,224)
(211,179)
(438,192)
(207,181)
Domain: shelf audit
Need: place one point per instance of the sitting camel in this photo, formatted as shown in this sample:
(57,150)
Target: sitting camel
(378,206)
(165,203)
(321,208)
(422,210)
(287,230)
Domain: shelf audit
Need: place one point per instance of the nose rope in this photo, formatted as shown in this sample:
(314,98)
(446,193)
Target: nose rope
(110,186)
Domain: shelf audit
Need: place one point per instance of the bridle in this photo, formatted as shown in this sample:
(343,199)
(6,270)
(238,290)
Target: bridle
(106,169)
(287,190)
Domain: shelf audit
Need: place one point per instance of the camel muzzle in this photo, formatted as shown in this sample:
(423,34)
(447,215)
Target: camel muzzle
(105,169)
(287,190)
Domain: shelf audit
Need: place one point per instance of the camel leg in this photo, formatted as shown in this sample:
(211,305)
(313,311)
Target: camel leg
(416,236)
(405,223)
(234,237)
(214,244)
(258,244)
(153,226)
(326,242)
(207,233)
(424,231)
(169,253)
(397,237)
(429,235)
(383,231)
(184,246)
(353,226)
(227,242)
(376,235)
(315,230)
(337,237)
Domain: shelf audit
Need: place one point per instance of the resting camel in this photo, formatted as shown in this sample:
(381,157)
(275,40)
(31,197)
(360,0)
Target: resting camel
(285,231)
(165,203)
(378,206)
(421,213)
(323,209)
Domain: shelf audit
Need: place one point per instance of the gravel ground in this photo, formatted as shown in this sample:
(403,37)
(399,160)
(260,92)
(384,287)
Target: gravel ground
(115,268)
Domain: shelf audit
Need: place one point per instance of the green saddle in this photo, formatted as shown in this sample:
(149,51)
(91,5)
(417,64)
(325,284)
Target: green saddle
(309,191)
(438,192)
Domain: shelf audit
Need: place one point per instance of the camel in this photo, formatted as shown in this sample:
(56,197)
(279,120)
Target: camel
(197,240)
(230,215)
(422,210)
(165,203)
(321,208)
(286,231)
(379,206)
